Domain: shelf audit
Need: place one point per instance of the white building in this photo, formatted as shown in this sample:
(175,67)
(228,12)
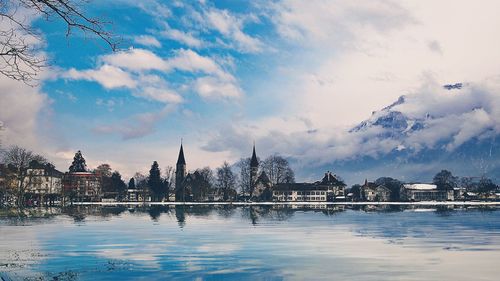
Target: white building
(425,192)
(43,183)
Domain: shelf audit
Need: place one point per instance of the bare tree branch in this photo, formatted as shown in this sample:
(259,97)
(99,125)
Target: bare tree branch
(20,56)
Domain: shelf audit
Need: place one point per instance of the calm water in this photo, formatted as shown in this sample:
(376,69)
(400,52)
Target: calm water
(250,243)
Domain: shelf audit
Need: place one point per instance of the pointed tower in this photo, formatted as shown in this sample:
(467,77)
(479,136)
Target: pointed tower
(180,172)
(254,168)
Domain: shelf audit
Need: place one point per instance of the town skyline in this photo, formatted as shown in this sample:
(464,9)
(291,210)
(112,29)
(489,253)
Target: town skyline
(298,79)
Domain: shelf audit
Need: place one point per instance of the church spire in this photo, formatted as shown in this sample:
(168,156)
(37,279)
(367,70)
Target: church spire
(254,162)
(181,160)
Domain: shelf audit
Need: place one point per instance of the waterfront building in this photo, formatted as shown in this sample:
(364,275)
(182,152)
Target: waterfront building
(372,192)
(424,192)
(329,189)
(43,184)
(82,187)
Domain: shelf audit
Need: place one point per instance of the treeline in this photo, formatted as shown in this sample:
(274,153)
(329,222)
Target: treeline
(156,185)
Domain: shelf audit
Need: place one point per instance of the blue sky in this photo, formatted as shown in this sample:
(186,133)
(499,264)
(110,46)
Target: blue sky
(292,75)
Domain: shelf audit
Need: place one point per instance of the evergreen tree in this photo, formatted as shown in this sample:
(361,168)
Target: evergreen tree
(131,183)
(78,164)
(155,182)
(118,185)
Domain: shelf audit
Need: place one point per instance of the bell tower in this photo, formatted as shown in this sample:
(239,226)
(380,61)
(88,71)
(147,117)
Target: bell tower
(180,171)
(254,169)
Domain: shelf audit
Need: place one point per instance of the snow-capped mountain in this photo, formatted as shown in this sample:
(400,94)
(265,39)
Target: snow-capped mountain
(453,127)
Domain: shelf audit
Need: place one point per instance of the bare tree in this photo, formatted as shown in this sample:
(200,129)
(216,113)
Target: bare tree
(244,176)
(141,183)
(20,158)
(278,169)
(226,181)
(20,57)
(169,179)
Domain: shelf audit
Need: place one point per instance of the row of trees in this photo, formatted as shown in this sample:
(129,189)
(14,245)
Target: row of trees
(226,179)
(445,180)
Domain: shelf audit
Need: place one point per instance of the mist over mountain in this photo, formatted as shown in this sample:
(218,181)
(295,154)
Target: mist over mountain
(454,127)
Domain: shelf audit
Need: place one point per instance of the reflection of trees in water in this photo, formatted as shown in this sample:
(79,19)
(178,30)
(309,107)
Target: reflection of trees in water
(226,211)
(265,212)
(80,212)
(155,211)
(17,216)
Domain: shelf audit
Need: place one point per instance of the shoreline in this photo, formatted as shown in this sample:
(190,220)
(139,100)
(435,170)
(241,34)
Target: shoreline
(295,203)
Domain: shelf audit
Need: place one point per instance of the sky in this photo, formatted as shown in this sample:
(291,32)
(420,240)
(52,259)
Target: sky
(291,76)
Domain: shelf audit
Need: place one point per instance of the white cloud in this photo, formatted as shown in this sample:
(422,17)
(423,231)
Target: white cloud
(210,87)
(338,22)
(136,60)
(108,76)
(147,40)
(232,27)
(21,107)
(181,36)
(160,94)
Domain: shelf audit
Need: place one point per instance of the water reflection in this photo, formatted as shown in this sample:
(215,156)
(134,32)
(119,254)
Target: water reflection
(268,242)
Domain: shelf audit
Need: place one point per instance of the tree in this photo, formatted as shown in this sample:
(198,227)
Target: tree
(155,182)
(104,170)
(278,170)
(445,180)
(356,192)
(78,164)
(141,183)
(393,185)
(20,57)
(19,159)
(118,185)
(226,181)
(202,182)
(244,176)
(486,185)
(168,180)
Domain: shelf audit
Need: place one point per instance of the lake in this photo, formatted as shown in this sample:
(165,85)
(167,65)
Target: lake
(251,243)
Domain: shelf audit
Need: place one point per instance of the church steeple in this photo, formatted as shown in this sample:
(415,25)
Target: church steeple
(254,169)
(181,160)
(181,171)
(254,162)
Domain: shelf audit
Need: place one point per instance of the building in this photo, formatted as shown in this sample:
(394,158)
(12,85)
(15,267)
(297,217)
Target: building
(260,185)
(194,186)
(424,192)
(372,192)
(42,183)
(329,189)
(82,187)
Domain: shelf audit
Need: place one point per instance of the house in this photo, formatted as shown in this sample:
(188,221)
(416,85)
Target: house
(424,192)
(329,189)
(372,192)
(82,186)
(43,183)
